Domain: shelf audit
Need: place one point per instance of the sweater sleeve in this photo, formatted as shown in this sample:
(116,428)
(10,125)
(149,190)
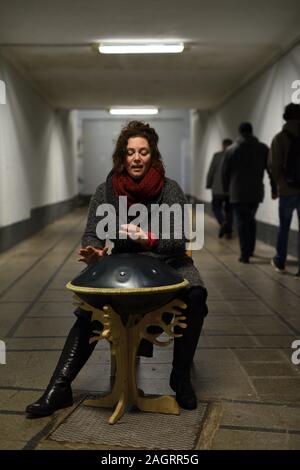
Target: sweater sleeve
(173,241)
(89,236)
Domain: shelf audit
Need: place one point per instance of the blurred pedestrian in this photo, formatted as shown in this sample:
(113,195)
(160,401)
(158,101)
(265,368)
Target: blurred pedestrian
(284,163)
(220,199)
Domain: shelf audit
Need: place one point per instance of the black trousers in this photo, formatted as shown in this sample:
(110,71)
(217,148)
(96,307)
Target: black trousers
(222,210)
(185,346)
(246,226)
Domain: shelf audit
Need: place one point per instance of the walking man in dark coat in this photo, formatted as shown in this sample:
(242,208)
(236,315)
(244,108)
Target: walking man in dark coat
(243,173)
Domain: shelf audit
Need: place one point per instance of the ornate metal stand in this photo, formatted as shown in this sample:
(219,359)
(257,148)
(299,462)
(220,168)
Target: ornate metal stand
(124,343)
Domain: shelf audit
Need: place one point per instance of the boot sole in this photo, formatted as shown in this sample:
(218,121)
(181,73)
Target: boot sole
(184,406)
(278,270)
(41,414)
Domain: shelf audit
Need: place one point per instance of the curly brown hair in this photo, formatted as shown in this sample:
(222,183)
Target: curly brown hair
(136,129)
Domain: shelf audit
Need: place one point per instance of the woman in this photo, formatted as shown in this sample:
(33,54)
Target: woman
(137,173)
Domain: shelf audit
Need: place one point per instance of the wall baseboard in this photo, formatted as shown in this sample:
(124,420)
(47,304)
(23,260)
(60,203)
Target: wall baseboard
(266,233)
(39,218)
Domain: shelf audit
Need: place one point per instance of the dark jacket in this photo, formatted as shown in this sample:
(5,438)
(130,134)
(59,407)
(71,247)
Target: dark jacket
(172,250)
(278,154)
(243,170)
(214,176)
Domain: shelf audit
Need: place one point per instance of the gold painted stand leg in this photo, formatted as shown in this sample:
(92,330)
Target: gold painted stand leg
(124,345)
(118,397)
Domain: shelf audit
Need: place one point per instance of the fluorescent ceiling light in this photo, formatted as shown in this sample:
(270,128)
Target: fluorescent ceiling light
(142,48)
(132,111)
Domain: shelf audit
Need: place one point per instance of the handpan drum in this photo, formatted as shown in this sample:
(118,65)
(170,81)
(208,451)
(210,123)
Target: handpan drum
(130,283)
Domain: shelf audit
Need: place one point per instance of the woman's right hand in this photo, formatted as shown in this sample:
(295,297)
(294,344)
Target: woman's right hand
(90,254)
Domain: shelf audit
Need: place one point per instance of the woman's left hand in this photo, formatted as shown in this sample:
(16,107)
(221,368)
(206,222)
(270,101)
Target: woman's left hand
(135,233)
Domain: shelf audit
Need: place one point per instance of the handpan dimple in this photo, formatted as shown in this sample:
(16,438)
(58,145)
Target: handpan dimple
(123,276)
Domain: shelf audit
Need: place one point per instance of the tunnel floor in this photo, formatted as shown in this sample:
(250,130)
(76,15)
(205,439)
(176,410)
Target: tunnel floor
(242,369)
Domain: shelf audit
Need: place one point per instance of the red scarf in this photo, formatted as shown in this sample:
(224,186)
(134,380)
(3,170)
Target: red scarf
(139,191)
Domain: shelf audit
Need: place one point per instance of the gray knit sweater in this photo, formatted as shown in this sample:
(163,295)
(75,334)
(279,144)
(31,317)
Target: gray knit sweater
(171,250)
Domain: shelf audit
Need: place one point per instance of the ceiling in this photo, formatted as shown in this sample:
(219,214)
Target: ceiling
(227,43)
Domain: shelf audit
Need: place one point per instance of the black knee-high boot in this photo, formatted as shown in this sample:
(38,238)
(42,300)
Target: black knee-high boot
(74,355)
(185,347)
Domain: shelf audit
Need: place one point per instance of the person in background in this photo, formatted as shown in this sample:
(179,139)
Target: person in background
(284,164)
(220,199)
(243,171)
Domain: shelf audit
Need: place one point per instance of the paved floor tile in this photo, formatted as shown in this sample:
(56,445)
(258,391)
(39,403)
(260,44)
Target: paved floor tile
(228,439)
(279,417)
